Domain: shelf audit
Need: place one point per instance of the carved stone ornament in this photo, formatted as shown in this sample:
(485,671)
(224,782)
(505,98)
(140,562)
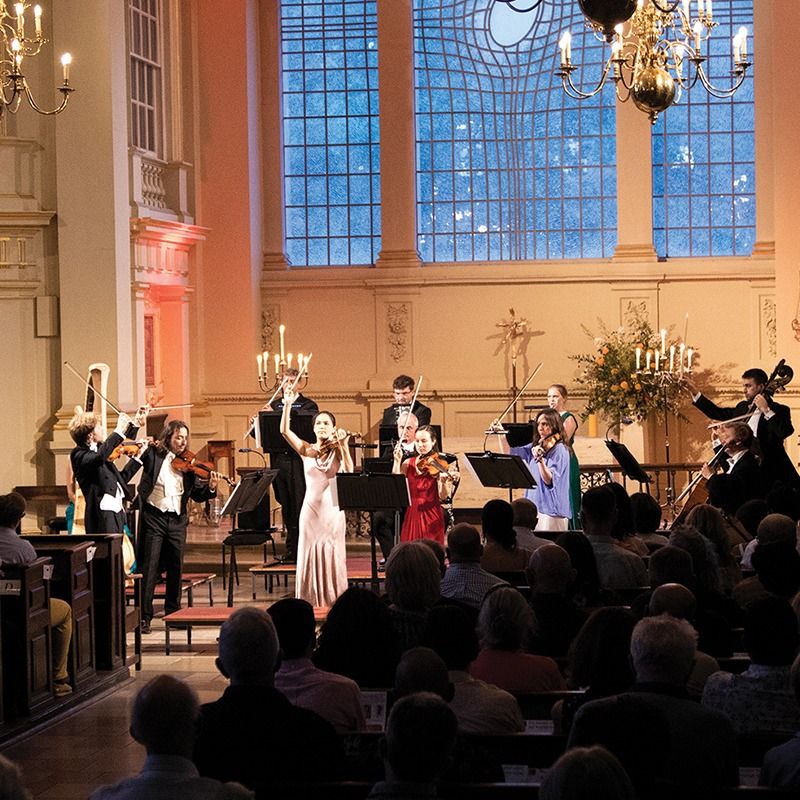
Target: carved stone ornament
(397,323)
(770,325)
(270,317)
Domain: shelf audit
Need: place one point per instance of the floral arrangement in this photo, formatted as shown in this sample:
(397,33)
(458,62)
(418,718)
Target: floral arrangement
(617,389)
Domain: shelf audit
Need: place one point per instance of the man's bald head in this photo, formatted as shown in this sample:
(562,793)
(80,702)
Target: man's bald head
(550,570)
(464,544)
(248,647)
(776,528)
(673,599)
(422,669)
(164,716)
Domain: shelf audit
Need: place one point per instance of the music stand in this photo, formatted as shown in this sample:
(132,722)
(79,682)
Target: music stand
(501,471)
(272,440)
(246,496)
(630,466)
(518,433)
(373,492)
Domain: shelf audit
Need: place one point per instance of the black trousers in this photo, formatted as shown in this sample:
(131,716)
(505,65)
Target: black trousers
(383,529)
(161,539)
(290,490)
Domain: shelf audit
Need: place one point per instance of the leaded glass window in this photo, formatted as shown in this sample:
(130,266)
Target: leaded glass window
(145,77)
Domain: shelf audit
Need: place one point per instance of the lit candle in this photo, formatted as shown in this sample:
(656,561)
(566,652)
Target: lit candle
(19,9)
(564,44)
(700,8)
(686,9)
(737,50)
(281,331)
(37,19)
(66,60)
(265,356)
(616,49)
(689,355)
(277,365)
(300,362)
(288,359)
(260,366)
(698,29)
(663,340)
(657,354)
(649,356)
(708,10)
(638,358)
(680,355)
(672,358)
(743,40)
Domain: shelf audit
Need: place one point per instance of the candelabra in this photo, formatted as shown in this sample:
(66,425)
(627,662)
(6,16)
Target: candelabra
(646,65)
(16,46)
(283,362)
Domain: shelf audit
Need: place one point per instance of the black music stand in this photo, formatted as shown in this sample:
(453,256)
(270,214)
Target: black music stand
(518,434)
(499,470)
(272,441)
(246,496)
(373,492)
(630,466)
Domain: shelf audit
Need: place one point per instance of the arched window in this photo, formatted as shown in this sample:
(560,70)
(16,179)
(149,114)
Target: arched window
(329,58)
(508,166)
(704,191)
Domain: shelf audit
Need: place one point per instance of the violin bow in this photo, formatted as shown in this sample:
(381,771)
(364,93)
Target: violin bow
(89,386)
(519,394)
(411,408)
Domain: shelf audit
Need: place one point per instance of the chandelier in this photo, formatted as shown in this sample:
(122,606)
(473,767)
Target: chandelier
(15,46)
(656,51)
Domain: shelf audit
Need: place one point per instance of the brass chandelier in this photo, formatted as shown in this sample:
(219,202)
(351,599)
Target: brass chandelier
(15,46)
(656,51)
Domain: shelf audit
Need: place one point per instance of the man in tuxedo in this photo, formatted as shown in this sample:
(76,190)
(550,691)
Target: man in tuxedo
(403,391)
(164,494)
(744,460)
(771,423)
(104,486)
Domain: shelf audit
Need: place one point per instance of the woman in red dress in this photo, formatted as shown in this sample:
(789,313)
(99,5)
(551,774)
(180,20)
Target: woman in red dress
(427,488)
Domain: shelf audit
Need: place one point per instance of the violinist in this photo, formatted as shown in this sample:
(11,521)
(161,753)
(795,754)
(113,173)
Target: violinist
(164,494)
(743,460)
(430,479)
(548,458)
(104,486)
(771,423)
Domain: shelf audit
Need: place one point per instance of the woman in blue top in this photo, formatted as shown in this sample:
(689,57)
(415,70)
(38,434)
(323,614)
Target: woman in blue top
(548,458)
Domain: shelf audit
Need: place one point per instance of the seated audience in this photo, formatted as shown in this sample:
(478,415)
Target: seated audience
(438,550)
(599,661)
(761,699)
(501,552)
(701,751)
(478,706)
(781,766)
(17,552)
(525,519)
(724,495)
(679,602)
(624,528)
(359,640)
(413,586)
(334,697)
(465,580)
(647,520)
(12,787)
(708,522)
(557,618)
(777,566)
(420,736)
(164,717)
(617,567)
(772,528)
(587,773)
(749,516)
(585,589)
(253,734)
(504,622)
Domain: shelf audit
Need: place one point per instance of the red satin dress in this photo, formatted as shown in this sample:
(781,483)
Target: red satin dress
(424,518)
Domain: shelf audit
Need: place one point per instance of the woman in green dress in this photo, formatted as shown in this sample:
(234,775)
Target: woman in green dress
(557,400)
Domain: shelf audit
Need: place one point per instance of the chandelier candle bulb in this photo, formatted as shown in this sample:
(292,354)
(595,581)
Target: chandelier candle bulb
(663,341)
(657,358)
(709,12)
(689,355)
(19,9)
(647,360)
(288,359)
(66,60)
(260,366)
(687,11)
(680,355)
(638,359)
(265,356)
(672,358)
(700,9)
(564,45)
(37,20)
(743,40)
(277,365)
(698,29)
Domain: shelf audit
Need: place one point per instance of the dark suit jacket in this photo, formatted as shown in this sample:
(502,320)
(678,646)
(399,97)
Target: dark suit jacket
(97,476)
(749,478)
(192,488)
(421,412)
(776,464)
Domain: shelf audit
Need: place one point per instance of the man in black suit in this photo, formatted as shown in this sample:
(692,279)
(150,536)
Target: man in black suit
(403,390)
(164,494)
(771,423)
(104,487)
(743,460)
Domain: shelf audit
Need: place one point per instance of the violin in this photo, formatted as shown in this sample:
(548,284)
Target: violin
(337,437)
(126,448)
(433,464)
(186,462)
(547,443)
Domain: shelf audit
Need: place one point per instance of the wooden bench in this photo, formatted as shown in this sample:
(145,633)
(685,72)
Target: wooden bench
(210,617)
(189,582)
(271,570)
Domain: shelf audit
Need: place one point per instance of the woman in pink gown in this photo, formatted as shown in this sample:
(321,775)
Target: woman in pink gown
(321,558)
(424,518)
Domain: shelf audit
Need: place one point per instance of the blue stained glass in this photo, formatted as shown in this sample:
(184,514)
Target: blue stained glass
(337,220)
(315,131)
(335,104)
(318,252)
(337,189)
(315,104)
(316,157)
(318,220)
(294,161)
(361,250)
(295,191)
(337,160)
(296,221)
(317,190)
(296,251)
(360,218)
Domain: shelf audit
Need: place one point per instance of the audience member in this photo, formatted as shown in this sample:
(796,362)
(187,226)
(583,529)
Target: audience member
(724,495)
(501,551)
(647,520)
(781,765)
(750,514)
(525,519)
(164,717)
(12,786)
(761,700)
(617,567)
(504,622)
(772,528)
(479,707)
(777,566)
(586,586)
(557,619)
(359,640)
(334,697)
(253,734)
(709,523)
(17,552)
(465,580)
(586,773)
(783,499)
(413,584)
(437,548)
(420,736)
(701,753)
(624,528)
(679,602)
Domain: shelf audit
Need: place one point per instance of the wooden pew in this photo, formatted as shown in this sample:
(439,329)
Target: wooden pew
(27,648)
